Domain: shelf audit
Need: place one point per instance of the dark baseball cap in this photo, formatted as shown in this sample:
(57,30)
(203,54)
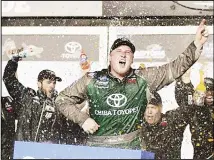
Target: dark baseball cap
(122,41)
(48,74)
(155,99)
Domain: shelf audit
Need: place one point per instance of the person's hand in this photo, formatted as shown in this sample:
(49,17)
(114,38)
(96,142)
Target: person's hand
(90,126)
(186,76)
(10,53)
(201,34)
(14,54)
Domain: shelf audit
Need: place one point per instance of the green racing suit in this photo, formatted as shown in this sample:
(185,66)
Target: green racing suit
(118,105)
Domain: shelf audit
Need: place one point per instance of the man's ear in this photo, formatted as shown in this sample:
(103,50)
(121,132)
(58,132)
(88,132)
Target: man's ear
(39,83)
(132,59)
(160,108)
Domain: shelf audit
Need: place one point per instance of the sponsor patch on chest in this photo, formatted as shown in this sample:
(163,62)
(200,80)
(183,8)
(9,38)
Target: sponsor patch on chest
(132,80)
(102,82)
(49,110)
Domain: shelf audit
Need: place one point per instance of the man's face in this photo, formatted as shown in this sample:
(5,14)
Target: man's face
(121,59)
(48,86)
(152,114)
(209,98)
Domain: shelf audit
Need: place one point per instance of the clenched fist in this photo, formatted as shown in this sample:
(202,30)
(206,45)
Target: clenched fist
(90,126)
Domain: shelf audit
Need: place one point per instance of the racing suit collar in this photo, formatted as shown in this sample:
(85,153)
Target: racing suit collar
(129,74)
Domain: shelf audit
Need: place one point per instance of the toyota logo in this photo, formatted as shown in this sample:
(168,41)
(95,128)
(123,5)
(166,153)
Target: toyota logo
(73,47)
(116,100)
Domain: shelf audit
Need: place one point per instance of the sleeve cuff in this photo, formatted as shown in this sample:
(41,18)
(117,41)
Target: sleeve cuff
(82,118)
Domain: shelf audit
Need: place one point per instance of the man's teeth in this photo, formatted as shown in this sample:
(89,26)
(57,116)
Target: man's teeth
(122,63)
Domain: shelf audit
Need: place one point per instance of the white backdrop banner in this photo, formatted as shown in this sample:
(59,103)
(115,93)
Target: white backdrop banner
(56,48)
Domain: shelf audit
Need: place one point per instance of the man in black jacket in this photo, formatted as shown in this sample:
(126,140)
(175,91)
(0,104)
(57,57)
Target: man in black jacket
(38,119)
(201,123)
(8,116)
(163,133)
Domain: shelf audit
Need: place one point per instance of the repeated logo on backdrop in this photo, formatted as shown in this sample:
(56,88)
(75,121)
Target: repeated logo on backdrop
(51,47)
(72,50)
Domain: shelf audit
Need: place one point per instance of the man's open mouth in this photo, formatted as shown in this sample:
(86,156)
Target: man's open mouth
(122,63)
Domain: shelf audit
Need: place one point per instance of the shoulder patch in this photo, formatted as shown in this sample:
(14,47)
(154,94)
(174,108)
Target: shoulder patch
(103,78)
(91,74)
(163,122)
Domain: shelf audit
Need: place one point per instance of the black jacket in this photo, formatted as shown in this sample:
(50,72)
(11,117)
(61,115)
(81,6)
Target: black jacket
(201,123)
(165,138)
(72,133)
(8,115)
(38,119)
